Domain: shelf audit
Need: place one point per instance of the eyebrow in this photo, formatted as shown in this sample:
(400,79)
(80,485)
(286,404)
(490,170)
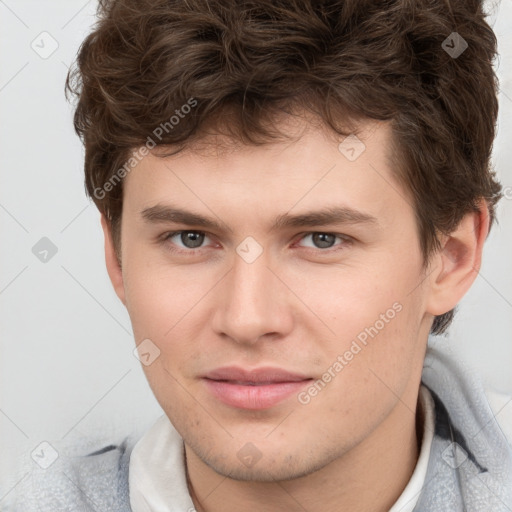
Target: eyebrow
(330,215)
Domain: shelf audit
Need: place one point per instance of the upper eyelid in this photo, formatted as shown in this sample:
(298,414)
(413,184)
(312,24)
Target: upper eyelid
(169,234)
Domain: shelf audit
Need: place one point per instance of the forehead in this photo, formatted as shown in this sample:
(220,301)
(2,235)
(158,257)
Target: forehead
(313,167)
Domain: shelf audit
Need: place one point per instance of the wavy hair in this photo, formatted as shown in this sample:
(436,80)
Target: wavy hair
(250,60)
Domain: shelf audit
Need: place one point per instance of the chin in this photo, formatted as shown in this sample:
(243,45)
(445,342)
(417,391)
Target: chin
(270,468)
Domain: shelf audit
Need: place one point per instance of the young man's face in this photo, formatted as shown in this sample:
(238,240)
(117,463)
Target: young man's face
(333,311)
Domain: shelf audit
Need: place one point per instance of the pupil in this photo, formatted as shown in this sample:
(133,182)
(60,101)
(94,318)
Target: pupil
(192,239)
(323,240)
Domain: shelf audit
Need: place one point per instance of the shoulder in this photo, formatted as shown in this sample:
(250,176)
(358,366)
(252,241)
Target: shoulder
(501,406)
(79,480)
(471,455)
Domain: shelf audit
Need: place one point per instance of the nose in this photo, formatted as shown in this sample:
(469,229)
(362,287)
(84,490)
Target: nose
(252,303)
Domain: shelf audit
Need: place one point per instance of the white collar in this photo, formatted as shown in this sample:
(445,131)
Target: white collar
(409,497)
(157,478)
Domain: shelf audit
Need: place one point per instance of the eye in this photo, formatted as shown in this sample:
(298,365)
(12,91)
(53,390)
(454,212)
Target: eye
(321,240)
(187,239)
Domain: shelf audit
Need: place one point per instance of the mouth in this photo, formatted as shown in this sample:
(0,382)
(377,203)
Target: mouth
(256,389)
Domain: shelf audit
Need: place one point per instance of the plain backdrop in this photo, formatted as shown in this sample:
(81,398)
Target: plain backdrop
(67,370)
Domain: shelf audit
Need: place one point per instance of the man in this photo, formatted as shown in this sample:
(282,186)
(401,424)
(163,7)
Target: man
(294,195)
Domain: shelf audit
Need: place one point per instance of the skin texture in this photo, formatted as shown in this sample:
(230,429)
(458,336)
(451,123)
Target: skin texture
(297,306)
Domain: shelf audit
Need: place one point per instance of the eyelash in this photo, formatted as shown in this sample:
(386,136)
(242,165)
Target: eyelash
(167,236)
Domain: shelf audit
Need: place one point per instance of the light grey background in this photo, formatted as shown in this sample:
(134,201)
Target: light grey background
(67,369)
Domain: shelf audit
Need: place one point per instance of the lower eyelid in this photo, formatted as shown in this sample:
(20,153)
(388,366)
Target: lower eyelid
(166,237)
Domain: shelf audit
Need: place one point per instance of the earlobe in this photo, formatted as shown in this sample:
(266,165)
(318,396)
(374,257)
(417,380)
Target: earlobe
(458,261)
(113,266)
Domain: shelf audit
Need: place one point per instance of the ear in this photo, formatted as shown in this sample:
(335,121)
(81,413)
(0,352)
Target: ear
(458,262)
(113,267)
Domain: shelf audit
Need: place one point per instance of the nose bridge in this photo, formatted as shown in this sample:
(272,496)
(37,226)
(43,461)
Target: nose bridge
(251,303)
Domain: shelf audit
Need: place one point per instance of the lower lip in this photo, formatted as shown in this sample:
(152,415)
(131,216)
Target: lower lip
(253,397)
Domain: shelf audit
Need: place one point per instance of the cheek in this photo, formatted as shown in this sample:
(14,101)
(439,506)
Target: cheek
(351,298)
(164,308)
(372,318)
(160,297)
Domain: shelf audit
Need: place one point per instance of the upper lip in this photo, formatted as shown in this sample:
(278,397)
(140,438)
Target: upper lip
(255,375)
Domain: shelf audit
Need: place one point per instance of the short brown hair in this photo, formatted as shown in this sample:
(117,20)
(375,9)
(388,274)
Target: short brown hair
(338,59)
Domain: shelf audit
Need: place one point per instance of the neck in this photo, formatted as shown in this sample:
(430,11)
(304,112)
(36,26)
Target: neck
(368,478)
